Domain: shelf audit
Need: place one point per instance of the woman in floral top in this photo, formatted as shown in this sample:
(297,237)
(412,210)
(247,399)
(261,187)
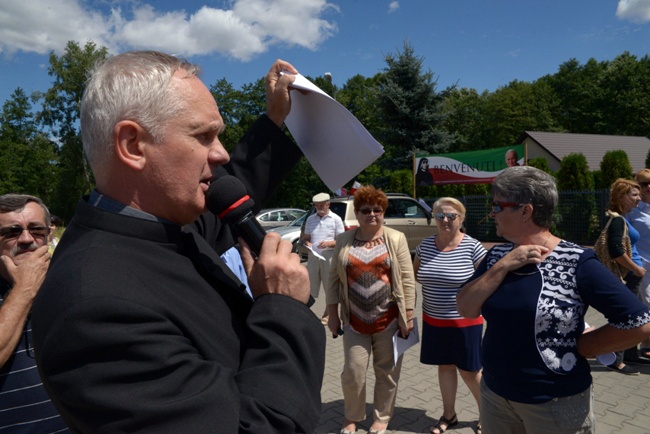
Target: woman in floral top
(533,293)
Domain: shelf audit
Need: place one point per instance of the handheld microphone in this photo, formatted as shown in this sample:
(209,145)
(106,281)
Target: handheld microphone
(228,199)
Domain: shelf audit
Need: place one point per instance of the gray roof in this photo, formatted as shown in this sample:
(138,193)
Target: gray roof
(592,146)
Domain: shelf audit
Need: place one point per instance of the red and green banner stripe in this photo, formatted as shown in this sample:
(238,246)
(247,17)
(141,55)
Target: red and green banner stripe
(476,167)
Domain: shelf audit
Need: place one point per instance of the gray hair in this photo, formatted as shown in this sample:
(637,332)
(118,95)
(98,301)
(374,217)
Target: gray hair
(16,202)
(130,86)
(526,184)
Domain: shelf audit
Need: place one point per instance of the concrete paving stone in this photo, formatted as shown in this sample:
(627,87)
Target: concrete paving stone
(643,393)
(627,428)
(641,420)
(617,393)
(625,409)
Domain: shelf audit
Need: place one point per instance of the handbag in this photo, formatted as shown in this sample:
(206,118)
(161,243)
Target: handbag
(602,251)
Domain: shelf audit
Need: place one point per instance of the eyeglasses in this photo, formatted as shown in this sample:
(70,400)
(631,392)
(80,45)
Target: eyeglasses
(497,207)
(644,184)
(11,232)
(451,216)
(367,211)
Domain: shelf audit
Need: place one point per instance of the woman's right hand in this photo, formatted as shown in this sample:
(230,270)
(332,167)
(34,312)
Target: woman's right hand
(524,255)
(334,324)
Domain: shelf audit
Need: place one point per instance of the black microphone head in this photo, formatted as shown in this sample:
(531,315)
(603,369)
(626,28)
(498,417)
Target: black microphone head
(228,199)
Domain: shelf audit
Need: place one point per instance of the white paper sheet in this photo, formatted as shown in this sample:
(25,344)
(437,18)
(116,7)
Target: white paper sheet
(336,144)
(315,253)
(400,345)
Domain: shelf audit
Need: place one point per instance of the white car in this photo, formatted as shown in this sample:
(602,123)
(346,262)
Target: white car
(291,232)
(274,217)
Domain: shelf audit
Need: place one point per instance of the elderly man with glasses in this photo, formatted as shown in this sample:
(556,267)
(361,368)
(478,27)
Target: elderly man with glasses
(24,229)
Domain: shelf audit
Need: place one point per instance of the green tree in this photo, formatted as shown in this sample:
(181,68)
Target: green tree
(574,173)
(299,187)
(465,117)
(540,163)
(239,108)
(228,101)
(623,98)
(401,181)
(576,89)
(360,96)
(325,84)
(614,165)
(60,113)
(516,108)
(409,109)
(27,158)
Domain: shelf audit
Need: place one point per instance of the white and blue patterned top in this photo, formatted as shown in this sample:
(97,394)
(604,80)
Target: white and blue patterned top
(535,317)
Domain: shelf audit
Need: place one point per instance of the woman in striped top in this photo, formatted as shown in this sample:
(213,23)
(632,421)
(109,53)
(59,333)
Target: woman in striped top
(442,264)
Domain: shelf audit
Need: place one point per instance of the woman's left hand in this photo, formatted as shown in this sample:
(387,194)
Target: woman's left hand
(638,271)
(405,331)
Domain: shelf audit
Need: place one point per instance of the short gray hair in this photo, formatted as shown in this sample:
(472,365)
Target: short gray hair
(526,184)
(16,202)
(130,86)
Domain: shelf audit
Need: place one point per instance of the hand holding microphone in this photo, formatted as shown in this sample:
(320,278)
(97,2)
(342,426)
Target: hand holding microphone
(277,270)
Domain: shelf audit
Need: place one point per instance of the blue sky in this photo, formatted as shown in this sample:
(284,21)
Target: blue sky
(480,44)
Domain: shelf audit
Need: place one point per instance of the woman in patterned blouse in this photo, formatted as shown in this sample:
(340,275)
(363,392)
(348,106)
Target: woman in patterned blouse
(372,282)
(533,293)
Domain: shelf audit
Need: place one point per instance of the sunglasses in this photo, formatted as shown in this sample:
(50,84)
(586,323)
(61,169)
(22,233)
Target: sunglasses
(451,216)
(367,211)
(11,232)
(497,207)
(644,184)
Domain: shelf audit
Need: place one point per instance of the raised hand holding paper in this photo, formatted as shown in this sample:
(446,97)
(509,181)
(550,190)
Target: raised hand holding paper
(336,144)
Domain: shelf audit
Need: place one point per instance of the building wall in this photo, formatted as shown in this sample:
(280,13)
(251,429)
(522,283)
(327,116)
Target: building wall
(533,150)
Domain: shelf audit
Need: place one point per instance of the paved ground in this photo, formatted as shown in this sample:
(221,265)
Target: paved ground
(622,403)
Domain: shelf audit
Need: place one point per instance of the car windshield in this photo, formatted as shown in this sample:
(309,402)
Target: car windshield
(299,220)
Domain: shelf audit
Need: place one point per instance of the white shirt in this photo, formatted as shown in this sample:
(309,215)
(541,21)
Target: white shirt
(324,228)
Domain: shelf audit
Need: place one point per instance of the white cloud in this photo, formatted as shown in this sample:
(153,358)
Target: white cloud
(288,21)
(42,25)
(393,6)
(637,11)
(242,32)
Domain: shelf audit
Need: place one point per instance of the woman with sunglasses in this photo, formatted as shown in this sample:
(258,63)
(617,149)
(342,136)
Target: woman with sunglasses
(442,264)
(534,292)
(372,287)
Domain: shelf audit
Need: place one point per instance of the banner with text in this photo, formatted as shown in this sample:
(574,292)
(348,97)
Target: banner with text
(475,167)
